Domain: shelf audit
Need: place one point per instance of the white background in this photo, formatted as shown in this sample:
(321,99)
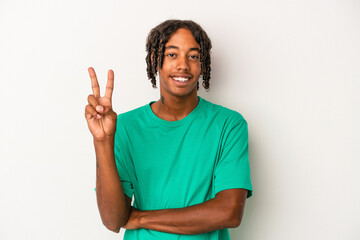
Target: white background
(291,68)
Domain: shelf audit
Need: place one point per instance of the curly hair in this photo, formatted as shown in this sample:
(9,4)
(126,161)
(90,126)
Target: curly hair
(160,35)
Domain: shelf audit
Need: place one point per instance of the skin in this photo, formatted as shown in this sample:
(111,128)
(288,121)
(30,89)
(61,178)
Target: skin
(176,102)
(180,58)
(114,206)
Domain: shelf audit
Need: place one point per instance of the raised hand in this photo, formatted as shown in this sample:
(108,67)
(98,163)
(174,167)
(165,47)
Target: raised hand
(100,117)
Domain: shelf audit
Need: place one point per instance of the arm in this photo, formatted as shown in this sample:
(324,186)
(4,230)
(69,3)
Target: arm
(114,206)
(223,211)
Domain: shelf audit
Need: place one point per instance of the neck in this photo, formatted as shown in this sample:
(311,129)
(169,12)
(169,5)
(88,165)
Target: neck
(174,108)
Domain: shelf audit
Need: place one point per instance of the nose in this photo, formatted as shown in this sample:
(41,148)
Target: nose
(182,63)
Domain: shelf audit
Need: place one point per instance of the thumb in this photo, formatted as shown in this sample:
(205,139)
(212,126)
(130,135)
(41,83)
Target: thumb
(103,110)
(106,111)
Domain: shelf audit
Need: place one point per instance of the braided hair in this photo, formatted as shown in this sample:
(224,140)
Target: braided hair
(160,35)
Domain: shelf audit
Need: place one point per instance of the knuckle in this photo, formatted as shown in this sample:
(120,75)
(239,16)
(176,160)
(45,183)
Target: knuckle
(92,100)
(88,108)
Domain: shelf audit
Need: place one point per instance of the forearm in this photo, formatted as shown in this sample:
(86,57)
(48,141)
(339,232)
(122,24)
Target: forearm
(113,208)
(201,218)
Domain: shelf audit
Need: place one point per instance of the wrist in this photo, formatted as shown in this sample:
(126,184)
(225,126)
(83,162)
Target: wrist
(141,219)
(109,139)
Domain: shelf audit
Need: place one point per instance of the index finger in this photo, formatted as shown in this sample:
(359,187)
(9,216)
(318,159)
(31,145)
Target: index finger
(109,84)
(94,82)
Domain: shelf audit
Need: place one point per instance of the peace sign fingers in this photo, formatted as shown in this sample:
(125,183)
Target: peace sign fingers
(109,85)
(94,82)
(100,117)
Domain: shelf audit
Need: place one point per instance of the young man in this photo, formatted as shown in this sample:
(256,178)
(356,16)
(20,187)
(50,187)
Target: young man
(183,158)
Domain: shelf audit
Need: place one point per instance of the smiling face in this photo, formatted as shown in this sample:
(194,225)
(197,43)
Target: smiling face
(181,66)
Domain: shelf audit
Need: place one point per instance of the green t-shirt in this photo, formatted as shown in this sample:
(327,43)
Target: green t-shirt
(176,164)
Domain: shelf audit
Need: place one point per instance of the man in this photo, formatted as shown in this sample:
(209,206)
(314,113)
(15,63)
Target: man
(183,158)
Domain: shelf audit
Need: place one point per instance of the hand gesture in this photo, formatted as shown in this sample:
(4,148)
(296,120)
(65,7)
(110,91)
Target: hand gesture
(100,117)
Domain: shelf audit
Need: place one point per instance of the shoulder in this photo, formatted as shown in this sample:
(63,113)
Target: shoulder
(128,123)
(224,114)
(131,115)
(131,121)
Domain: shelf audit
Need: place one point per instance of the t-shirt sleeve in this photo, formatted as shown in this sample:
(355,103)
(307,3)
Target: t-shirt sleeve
(123,168)
(123,174)
(125,179)
(233,168)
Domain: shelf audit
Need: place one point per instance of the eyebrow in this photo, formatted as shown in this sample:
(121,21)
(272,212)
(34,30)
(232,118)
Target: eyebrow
(175,47)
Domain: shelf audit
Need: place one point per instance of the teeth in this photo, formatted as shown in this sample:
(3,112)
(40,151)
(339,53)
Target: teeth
(180,79)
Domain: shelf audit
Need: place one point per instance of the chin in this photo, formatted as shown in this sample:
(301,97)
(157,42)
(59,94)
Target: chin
(182,94)
(179,91)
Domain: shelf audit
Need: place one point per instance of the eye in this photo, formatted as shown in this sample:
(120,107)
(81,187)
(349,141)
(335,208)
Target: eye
(170,55)
(195,57)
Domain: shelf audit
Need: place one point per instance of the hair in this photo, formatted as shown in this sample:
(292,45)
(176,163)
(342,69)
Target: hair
(160,35)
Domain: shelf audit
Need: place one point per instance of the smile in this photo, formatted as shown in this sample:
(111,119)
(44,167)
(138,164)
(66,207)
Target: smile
(181,79)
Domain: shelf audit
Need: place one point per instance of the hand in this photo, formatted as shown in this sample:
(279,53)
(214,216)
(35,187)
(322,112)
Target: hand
(134,219)
(100,117)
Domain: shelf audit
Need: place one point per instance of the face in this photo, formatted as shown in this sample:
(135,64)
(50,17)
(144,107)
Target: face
(181,67)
